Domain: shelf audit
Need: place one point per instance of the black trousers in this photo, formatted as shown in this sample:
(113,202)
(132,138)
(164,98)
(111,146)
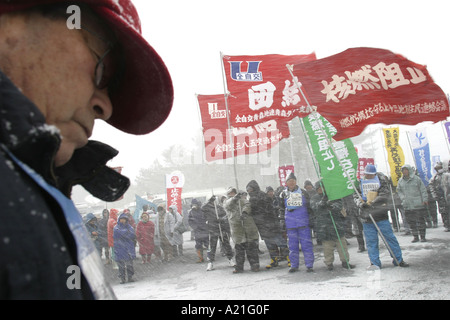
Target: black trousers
(251,250)
(416,221)
(126,269)
(213,239)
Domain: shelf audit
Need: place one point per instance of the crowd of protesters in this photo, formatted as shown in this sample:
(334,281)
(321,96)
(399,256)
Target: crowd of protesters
(286,220)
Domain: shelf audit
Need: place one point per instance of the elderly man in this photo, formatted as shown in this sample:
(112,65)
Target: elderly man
(56,79)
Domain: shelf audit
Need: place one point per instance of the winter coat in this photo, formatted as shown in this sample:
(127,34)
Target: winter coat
(177,235)
(124,240)
(169,221)
(93,229)
(145,233)
(296,216)
(323,226)
(42,234)
(243,227)
(380,205)
(440,187)
(263,213)
(411,190)
(197,221)
(112,221)
(103,231)
(215,219)
(153,217)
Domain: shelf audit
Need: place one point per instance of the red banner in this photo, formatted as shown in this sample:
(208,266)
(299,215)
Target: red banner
(283,173)
(252,139)
(261,88)
(362,86)
(362,163)
(174,185)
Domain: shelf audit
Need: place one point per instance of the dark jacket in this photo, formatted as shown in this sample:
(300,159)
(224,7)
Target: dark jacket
(381,204)
(214,218)
(38,244)
(325,213)
(262,212)
(197,221)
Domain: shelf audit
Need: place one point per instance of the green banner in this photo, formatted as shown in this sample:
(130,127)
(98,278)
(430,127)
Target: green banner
(334,177)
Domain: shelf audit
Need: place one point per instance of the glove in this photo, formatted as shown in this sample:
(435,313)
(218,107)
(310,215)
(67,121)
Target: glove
(322,204)
(365,205)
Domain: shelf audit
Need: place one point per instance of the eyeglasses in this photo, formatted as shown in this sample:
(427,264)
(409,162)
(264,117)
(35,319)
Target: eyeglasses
(104,77)
(101,81)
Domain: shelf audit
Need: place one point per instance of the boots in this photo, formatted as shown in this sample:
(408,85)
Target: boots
(200,256)
(273,263)
(416,239)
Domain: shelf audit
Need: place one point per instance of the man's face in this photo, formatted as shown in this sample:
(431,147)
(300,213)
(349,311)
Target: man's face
(405,172)
(55,68)
(291,183)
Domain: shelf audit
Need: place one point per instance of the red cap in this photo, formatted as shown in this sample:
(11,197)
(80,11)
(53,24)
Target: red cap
(144,99)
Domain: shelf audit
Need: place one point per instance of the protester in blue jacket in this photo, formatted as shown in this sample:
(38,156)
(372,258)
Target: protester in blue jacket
(295,202)
(124,248)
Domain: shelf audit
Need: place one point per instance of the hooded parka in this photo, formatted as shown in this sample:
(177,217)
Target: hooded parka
(411,190)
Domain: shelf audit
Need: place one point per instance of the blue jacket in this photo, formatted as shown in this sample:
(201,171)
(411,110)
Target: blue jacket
(296,212)
(124,240)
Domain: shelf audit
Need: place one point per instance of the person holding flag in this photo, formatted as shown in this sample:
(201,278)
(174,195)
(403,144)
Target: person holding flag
(219,230)
(372,200)
(295,203)
(330,227)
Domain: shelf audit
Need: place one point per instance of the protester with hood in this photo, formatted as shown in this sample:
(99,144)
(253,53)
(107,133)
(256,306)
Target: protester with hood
(166,223)
(219,230)
(177,231)
(330,227)
(145,234)
(124,248)
(296,204)
(103,234)
(243,230)
(93,230)
(414,197)
(372,199)
(112,221)
(439,190)
(197,221)
(267,222)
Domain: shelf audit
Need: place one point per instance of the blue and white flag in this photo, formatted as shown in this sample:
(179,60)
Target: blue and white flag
(421,150)
(140,202)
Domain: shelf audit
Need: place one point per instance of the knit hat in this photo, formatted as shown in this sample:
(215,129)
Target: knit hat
(291,176)
(144,98)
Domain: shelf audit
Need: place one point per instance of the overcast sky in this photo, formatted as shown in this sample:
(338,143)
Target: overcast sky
(189,36)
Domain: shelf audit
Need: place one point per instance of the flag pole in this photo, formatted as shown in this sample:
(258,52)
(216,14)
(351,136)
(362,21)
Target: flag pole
(201,129)
(290,68)
(225,91)
(308,142)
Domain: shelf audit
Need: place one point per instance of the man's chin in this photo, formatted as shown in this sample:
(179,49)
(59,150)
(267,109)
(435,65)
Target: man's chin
(63,155)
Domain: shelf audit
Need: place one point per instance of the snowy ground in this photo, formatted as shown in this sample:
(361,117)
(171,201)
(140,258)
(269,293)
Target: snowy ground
(182,279)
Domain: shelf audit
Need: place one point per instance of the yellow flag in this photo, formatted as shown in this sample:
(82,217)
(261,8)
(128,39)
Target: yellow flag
(396,158)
